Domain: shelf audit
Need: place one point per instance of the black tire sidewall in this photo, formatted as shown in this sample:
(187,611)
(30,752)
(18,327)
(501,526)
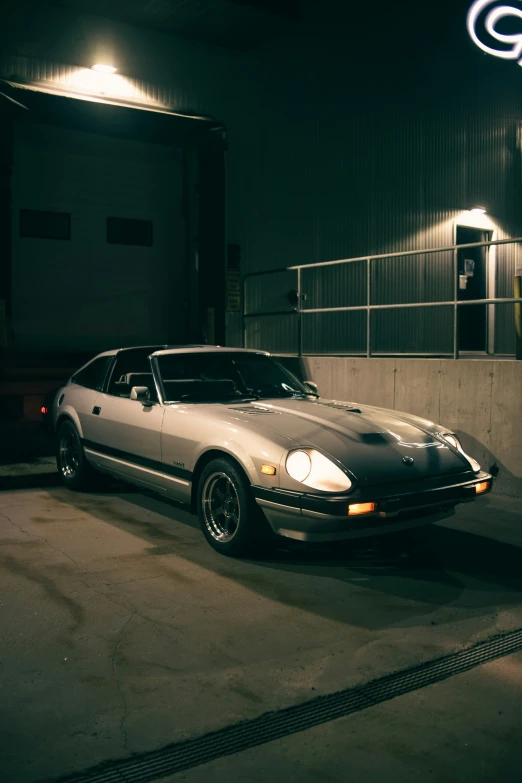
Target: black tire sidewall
(83,475)
(248,532)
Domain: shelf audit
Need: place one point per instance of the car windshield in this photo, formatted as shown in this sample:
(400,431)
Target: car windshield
(226,376)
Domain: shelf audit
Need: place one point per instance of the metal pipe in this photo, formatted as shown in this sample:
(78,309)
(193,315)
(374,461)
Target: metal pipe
(271,312)
(518,316)
(369,308)
(243,311)
(299,316)
(401,306)
(401,254)
(405,253)
(455,303)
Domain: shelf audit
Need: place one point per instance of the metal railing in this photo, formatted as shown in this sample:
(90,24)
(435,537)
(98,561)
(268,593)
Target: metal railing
(299,311)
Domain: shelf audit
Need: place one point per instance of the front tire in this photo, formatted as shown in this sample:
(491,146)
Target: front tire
(75,472)
(230,519)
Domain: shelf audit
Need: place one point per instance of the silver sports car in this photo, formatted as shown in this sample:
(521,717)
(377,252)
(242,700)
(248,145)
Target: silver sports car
(237,437)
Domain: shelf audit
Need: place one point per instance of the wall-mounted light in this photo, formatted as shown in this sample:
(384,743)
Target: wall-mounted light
(479,210)
(101,68)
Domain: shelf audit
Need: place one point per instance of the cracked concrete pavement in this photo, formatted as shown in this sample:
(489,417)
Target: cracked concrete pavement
(122,631)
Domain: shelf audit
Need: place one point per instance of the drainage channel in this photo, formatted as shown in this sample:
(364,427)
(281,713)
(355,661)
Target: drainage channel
(271,726)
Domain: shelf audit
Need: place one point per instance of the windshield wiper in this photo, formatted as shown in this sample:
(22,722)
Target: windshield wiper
(215,396)
(274,390)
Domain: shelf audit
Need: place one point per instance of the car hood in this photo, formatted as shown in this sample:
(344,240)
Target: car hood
(372,443)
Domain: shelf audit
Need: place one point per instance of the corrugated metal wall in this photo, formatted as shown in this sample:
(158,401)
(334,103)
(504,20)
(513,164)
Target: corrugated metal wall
(346,138)
(397,182)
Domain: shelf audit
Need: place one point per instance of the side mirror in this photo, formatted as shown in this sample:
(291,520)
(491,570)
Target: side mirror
(141,393)
(312,386)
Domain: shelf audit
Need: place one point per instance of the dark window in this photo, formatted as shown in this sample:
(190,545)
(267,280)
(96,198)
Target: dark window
(45,225)
(93,375)
(127,231)
(132,368)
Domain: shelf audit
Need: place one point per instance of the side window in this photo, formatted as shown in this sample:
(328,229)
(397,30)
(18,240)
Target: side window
(132,368)
(93,375)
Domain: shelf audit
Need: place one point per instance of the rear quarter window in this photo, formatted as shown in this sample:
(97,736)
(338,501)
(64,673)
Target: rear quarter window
(93,374)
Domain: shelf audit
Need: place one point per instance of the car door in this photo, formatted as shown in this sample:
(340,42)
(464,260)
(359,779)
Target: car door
(84,390)
(125,434)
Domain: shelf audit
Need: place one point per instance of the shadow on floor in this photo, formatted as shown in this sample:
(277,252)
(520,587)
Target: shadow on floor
(390,579)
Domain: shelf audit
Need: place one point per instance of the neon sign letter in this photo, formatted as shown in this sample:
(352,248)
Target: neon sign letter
(515,40)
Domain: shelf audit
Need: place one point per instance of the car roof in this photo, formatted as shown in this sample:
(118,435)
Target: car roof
(206,349)
(162,350)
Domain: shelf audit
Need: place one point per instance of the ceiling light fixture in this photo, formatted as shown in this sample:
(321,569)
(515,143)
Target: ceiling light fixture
(101,68)
(479,210)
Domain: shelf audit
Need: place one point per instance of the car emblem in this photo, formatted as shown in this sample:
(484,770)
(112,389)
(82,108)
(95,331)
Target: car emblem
(408,460)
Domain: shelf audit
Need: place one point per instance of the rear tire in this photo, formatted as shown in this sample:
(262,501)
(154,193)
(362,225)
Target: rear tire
(231,520)
(75,472)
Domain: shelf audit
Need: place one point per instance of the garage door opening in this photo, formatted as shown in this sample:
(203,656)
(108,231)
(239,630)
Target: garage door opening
(118,225)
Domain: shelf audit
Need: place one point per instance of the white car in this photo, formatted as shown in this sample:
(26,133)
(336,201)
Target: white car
(237,437)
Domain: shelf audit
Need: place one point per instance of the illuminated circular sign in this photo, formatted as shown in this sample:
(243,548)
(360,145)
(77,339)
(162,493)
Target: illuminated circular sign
(484,20)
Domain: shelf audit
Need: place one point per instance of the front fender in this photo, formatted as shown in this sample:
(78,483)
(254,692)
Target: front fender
(251,460)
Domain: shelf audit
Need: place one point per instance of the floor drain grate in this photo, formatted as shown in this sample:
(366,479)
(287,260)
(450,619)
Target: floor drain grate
(271,726)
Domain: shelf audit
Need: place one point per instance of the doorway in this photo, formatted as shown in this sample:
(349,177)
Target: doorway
(472,284)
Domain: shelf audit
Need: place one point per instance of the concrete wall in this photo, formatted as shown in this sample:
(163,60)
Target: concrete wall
(480,400)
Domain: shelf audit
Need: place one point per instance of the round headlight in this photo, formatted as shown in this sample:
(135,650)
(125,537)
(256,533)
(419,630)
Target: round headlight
(298,465)
(313,469)
(455,442)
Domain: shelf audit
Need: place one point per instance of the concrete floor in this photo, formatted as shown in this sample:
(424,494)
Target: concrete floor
(122,631)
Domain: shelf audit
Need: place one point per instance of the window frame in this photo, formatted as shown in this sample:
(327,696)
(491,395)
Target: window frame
(232,354)
(156,388)
(103,375)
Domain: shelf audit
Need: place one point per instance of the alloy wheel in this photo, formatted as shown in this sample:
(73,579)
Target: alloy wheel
(221,508)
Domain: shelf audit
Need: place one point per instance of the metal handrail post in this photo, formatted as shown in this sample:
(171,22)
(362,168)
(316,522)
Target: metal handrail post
(243,310)
(368,308)
(299,316)
(455,303)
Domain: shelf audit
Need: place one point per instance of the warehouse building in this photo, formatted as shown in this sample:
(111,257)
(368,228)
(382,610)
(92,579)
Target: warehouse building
(153,154)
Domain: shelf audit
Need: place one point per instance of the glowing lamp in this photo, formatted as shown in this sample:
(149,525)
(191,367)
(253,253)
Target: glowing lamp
(101,68)
(484,486)
(357,509)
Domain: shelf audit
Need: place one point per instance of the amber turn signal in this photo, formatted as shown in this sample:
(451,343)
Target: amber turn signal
(355,509)
(268,470)
(482,487)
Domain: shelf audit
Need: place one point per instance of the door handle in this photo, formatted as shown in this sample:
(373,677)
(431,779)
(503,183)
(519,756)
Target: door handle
(96,410)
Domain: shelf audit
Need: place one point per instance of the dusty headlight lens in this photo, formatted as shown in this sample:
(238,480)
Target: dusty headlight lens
(455,442)
(317,471)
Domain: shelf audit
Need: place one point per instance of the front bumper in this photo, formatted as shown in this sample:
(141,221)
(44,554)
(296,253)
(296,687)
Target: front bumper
(321,518)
